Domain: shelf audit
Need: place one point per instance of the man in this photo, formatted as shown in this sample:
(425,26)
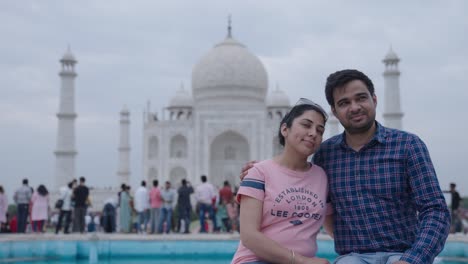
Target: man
(388,204)
(155,203)
(22,197)
(204,194)
(383,186)
(456,225)
(225,194)
(65,210)
(141,205)
(80,196)
(184,206)
(168,196)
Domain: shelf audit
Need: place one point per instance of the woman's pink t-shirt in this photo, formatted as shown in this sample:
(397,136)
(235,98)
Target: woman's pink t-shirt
(294,206)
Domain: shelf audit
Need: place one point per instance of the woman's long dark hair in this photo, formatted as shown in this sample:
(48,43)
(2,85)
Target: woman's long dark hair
(42,190)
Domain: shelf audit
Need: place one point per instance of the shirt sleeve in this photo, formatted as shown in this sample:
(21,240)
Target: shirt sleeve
(434,216)
(253,185)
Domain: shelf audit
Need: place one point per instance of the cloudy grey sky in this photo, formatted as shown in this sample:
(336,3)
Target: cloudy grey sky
(129,52)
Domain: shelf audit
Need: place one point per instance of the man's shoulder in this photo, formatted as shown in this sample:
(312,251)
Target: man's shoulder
(400,136)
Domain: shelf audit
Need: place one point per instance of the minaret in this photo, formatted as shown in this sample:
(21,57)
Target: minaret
(392,111)
(65,151)
(124,147)
(333,126)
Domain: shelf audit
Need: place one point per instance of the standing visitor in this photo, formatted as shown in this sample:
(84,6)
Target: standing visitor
(457,225)
(3,208)
(22,199)
(125,212)
(40,209)
(141,204)
(65,211)
(156,203)
(205,194)
(168,196)
(184,206)
(80,196)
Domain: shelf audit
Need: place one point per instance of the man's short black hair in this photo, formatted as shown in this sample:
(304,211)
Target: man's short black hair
(155,183)
(25,181)
(341,78)
(82,179)
(203,178)
(143,183)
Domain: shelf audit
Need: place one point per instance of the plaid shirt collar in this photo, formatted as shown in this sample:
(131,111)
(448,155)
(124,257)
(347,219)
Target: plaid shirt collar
(380,136)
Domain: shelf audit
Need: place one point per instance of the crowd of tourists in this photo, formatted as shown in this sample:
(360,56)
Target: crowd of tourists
(147,210)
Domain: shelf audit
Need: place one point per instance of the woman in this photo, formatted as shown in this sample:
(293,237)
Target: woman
(65,211)
(125,210)
(40,208)
(3,208)
(283,200)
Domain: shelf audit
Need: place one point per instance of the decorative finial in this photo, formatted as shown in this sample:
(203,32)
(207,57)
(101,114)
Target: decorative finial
(229,26)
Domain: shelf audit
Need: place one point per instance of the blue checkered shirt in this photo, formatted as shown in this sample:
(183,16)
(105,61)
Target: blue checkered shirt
(386,196)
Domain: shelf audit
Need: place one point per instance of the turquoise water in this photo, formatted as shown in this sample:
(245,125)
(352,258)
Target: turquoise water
(144,252)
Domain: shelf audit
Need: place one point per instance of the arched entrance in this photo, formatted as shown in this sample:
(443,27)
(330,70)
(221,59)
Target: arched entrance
(176,175)
(228,153)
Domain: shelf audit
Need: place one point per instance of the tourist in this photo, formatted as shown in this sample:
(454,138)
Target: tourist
(225,193)
(141,205)
(283,199)
(22,198)
(108,216)
(205,195)
(168,196)
(125,212)
(39,208)
(383,187)
(222,216)
(3,208)
(232,209)
(456,225)
(81,199)
(155,203)
(65,210)
(184,206)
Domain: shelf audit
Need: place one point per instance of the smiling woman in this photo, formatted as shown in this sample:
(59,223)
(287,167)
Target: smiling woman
(286,195)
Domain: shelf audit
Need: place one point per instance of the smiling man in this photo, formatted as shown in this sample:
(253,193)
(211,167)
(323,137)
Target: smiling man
(388,204)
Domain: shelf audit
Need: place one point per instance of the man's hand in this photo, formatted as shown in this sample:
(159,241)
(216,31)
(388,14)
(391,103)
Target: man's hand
(246,168)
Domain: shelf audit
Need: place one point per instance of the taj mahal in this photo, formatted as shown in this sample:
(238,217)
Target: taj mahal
(228,117)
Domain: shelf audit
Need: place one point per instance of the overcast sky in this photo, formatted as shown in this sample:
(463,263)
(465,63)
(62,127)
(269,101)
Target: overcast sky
(130,52)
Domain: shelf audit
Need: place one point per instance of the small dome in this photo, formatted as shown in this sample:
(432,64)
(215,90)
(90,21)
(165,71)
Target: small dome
(278,98)
(229,72)
(391,56)
(124,110)
(182,98)
(68,56)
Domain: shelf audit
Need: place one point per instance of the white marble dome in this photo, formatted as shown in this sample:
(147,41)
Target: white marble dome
(278,98)
(229,72)
(182,98)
